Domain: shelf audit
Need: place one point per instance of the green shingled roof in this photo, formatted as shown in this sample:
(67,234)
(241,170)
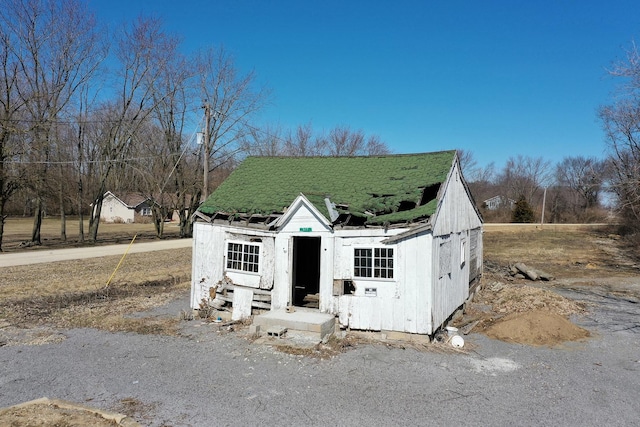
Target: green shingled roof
(382,188)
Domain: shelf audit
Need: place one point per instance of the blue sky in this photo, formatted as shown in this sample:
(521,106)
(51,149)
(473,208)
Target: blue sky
(497,78)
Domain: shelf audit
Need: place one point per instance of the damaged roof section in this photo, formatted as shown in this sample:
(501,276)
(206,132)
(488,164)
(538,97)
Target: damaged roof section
(371,190)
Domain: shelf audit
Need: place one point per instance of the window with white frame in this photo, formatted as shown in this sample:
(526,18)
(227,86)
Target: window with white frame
(146,212)
(373,262)
(243,257)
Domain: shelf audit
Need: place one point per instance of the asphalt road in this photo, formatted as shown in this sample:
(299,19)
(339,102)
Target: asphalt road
(40,256)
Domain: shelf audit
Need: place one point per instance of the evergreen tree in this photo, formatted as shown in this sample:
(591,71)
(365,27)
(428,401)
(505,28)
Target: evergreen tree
(522,211)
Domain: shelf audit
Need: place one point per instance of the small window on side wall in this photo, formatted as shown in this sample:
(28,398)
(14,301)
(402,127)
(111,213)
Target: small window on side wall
(243,257)
(373,262)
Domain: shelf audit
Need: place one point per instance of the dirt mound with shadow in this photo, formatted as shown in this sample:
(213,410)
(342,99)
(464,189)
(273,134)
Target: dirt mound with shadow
(536,327)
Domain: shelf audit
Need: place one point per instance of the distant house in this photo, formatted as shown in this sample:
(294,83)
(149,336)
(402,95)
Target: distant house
(497,202)
(125,208)
(383,242)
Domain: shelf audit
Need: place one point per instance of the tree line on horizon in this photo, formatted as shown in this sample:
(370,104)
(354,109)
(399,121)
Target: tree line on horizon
(85,109)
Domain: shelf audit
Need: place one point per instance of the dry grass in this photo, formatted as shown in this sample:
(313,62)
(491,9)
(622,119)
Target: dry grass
(18,230)
(562,252)
(73,293)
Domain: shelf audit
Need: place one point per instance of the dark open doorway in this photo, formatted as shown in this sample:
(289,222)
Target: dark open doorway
(306,272)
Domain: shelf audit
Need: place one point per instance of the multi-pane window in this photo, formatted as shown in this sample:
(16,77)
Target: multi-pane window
(373,262)
(243,257)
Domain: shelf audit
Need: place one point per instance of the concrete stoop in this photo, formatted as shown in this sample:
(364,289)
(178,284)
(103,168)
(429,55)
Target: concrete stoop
(277,322)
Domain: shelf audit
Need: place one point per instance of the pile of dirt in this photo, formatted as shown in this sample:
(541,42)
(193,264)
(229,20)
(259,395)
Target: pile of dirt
(55,412)
(537,327)
(523,314)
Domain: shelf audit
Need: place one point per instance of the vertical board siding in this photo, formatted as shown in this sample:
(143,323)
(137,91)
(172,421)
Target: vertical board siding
(402,303)
(207,259)
(452,289)
(456,212)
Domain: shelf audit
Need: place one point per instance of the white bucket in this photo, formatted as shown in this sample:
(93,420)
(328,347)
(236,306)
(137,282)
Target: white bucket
(451,331)
(457,341)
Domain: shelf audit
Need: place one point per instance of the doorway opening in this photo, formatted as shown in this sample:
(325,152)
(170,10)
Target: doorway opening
(305,286)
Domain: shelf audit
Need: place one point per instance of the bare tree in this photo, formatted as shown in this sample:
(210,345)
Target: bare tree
(166,178)
(523,176)
(267,141)
(143,49)
(621,123)
(342,141)
(53,45)
(231,98)
(468,163)
(10,127)
(302,142)
(584,177)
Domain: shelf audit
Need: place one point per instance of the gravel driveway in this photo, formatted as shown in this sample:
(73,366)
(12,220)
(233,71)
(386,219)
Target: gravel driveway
(206,378)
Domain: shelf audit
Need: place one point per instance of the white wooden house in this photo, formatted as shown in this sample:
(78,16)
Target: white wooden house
(124,208)
(498,202)
(383,242)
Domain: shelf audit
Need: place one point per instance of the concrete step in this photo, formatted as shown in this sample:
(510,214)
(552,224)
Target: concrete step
(322,324)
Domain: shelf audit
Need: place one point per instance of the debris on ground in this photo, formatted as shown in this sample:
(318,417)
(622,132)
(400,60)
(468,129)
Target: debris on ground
(518,270)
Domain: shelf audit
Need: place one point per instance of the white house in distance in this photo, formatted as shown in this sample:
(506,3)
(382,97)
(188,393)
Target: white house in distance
(124,208)
(497,202)
(389,242)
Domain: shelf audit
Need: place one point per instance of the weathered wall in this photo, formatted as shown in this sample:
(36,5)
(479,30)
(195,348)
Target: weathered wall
(452,226)
(398,304)
(456,212)
(209,258)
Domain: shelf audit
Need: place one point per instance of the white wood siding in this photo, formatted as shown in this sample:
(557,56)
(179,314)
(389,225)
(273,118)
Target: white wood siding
(207,260)
(450,289)
(113,210)
(210,254)
(456,212)
(399,304)
(302,221)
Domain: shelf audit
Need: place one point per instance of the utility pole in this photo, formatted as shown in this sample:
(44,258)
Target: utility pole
(205,183)
(544,202)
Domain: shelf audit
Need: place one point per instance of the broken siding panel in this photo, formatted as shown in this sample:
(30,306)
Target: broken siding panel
(207,264)
(408,275)
(421,257)
(326,273)
(282,266)
(344,310)
(242,299)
